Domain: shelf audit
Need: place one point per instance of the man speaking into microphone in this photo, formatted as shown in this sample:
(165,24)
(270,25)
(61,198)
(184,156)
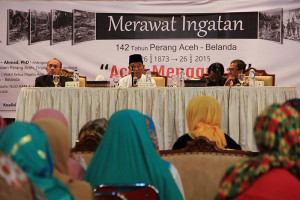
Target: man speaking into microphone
(136,69)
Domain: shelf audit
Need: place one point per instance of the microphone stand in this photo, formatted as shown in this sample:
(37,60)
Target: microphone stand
(132,75)
(217,73)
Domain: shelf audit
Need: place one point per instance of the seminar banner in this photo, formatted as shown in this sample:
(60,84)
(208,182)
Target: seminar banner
(96,38)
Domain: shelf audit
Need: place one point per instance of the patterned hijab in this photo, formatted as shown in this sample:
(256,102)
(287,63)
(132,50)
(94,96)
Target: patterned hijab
(126,156)
(277,134)
(28,146)
(13,181)
(60,142)
(152,131)
(295,103)
(95,128)
(204,118)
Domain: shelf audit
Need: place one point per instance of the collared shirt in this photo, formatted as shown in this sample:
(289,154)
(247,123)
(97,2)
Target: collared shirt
(127,81)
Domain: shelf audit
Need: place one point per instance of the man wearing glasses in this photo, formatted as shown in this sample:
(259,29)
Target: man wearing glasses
(236,67)
(135,63)
(53,68)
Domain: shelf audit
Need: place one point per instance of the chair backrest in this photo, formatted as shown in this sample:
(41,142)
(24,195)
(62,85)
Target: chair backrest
(262,75)
(202,144)
(139,191)
(82,79)
(161,81)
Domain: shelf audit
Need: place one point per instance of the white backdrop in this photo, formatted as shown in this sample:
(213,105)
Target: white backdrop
(280,59)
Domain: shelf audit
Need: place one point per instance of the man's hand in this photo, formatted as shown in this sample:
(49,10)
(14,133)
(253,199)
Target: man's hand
(229,81)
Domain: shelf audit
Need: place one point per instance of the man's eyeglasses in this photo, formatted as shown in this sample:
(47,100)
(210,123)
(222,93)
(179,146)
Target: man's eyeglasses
(233,69)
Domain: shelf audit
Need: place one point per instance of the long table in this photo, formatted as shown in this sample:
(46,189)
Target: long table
(166,106)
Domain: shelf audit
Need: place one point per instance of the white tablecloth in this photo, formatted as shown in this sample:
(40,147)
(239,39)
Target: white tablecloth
(166,106)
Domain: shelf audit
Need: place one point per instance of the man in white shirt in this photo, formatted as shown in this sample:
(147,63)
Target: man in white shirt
(135,63)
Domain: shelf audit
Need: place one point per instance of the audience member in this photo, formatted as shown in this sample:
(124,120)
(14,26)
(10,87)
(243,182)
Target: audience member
(172,168)
(2,123)
(275,173)
(27,146)
(14,183)
(204,118)
(236,67)
(54,67)
(126,156)
(95,128)
(135,63)
(215,75)
(60,142)
(295,103)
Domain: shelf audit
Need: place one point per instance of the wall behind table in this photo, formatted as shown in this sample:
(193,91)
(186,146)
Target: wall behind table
(21,62)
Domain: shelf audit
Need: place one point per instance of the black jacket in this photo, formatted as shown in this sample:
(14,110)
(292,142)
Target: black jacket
(182,142)
(46,81)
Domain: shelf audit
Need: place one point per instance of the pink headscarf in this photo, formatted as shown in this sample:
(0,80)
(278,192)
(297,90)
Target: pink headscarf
(50,113)
(2,123)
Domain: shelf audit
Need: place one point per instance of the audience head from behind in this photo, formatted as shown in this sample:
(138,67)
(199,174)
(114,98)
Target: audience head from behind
(215,74)
(236,67)
(54,67)
(275,172)
(136,63)
(204,118)
(27,145)
(95,128)
(58,135)
(13,181)
(126,156)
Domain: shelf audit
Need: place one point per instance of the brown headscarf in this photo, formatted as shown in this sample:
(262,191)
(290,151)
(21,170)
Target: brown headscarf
(59,139)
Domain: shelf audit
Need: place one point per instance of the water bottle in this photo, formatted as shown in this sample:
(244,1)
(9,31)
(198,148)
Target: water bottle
(76,75)
(181,78)
(148,76)
(251,77)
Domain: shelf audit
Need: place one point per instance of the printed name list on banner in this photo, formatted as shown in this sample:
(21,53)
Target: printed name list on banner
(98,37)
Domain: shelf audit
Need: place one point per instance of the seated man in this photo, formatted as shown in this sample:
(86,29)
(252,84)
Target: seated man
(236,67)
(215,75)
(135,63)
(53,68)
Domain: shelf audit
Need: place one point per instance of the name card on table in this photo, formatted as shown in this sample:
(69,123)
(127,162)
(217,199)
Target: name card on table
(72,84)
(259,83)
(144,84)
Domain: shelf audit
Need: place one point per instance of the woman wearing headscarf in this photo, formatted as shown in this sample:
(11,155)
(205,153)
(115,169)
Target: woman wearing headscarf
(27,145)
(171,167)
(14,183)
(76,170)
(59,139)
(204,118)
(275,173)
(126,156)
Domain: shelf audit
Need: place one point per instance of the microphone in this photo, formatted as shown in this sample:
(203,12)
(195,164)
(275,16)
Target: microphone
(132,75)
(217,73)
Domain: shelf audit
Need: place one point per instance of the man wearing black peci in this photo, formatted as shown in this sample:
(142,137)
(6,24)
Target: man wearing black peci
(136,67)
(53,68)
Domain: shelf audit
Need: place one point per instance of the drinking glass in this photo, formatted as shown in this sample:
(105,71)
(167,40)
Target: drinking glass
(174,80)
(116,80)
(55,80)
(241,79)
